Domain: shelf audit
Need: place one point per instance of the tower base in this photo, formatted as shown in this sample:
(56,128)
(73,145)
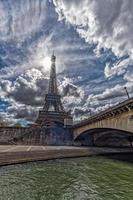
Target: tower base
(56,134)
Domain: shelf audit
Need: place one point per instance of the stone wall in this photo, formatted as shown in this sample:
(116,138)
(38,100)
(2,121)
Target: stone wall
(55,135)
(8,133)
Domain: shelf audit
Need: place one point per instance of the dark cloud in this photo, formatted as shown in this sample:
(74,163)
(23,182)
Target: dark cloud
(70,90)
(20,112)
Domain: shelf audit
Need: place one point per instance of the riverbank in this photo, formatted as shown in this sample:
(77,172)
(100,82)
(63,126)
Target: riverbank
(11,154)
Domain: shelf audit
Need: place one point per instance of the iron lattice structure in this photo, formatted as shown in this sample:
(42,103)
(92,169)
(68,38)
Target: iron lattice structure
(53,110)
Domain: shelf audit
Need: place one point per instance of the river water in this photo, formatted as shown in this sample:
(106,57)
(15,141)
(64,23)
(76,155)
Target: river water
(94,178)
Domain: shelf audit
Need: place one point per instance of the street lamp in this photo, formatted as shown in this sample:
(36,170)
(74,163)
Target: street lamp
(127,92)
(90,112)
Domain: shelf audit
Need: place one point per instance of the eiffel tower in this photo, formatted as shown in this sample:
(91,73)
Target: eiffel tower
(53,125)
(53,110)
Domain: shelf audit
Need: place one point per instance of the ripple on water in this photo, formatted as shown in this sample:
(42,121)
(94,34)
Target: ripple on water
(71,179)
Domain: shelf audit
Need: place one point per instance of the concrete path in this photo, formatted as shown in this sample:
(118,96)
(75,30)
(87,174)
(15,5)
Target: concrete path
(12,154)
(19,148)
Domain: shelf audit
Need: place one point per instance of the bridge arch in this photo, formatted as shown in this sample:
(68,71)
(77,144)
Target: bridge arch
(105,137)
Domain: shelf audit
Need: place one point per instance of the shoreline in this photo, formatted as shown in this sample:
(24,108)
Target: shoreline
(18,157)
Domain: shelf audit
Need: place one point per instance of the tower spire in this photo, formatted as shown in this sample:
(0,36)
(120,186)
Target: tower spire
(53,81)
(52,98)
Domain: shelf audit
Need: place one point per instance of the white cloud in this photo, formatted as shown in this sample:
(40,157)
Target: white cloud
(111,93)
(107,23)
(118,68)
(109,97)
(18,20)
(105,107)
(129,76)
(72,95)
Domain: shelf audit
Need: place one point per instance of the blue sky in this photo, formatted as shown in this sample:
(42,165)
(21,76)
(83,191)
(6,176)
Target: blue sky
(94,49)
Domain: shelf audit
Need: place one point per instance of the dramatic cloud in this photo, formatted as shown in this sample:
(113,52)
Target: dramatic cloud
(109,26)
(94,49)
(23,19)
(114,92)
(21,111)
(118,68)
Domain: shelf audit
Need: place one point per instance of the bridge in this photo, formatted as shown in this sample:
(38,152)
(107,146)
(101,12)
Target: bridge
(113,126)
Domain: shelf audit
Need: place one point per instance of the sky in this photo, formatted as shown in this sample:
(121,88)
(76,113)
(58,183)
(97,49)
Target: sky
(93,45)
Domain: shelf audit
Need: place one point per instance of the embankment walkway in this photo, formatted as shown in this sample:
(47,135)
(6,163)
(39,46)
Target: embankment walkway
(13,154)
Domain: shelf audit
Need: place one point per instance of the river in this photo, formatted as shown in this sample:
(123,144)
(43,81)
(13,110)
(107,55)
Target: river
(92,178)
